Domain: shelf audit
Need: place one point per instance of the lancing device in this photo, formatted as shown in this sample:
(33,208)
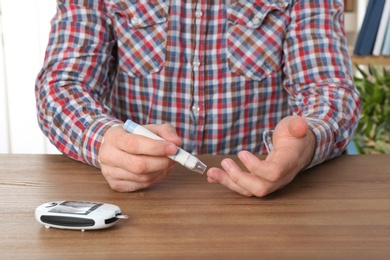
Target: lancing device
(184,158)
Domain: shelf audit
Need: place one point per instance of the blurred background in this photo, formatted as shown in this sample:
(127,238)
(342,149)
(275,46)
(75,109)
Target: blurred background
(24,30)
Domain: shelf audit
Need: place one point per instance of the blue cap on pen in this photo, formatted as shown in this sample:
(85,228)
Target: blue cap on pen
(130,126)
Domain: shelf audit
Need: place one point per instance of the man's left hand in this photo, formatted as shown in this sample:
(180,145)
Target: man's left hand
(293,149)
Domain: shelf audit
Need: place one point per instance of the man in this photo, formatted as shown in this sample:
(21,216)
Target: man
(214,77)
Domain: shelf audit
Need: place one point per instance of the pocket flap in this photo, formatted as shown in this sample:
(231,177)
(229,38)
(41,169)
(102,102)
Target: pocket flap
(252,14)
(142,13)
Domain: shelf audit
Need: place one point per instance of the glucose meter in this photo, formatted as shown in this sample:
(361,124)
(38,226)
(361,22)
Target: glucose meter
(79,215)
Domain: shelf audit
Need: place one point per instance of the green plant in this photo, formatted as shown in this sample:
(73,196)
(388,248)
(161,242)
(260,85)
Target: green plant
(373,132)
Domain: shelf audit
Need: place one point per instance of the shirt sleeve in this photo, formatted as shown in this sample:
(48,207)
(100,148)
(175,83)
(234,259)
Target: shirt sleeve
(74,80)
(318,75)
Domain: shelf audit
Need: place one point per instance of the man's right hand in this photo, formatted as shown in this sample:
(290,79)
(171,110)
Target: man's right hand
(131,162)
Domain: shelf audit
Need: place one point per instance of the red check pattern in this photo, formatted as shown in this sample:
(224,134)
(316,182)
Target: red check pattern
(222,72)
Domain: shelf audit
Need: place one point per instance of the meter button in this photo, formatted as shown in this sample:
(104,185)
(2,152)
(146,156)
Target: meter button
(51,205)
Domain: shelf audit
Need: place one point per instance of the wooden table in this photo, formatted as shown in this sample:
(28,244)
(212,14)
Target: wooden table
(338,210)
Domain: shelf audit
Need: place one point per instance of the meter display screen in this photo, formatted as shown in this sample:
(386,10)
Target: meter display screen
(75,207)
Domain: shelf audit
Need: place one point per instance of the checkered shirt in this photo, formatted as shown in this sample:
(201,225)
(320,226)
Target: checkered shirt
(223,73)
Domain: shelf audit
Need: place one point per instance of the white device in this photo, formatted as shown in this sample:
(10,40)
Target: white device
(80,215)
(183,157)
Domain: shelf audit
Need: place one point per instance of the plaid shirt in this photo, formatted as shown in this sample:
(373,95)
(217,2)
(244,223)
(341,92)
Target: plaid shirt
(222,72)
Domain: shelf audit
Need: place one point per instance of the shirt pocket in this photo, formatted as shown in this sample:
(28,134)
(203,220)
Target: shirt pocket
(255,34)
(141,32)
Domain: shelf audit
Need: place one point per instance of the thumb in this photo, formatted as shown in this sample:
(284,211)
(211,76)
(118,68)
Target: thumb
(297,127)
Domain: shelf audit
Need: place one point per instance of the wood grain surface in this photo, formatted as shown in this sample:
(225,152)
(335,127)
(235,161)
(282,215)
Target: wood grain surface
(338,210)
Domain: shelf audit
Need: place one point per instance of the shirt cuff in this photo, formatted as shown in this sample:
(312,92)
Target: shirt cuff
(267,139)
(324,140)
(93,139)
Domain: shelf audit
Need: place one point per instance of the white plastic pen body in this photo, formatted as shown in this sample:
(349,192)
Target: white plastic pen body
(183,157)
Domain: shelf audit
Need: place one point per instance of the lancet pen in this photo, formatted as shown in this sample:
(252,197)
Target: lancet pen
(183,157)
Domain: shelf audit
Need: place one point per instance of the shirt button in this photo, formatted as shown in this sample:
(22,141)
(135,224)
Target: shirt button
(195,108)
(256,21)
(196,62)
(135,21)
(198,14)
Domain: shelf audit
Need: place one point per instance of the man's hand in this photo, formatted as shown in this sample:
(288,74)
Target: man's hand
(130,162)
(293,149)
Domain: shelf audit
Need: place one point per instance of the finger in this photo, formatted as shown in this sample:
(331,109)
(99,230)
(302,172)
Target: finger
(298,127)
(167,132)
(270,176)
(215,175)
(291,127)
(210,179)
(127,186)
(245,183)
(124,181)
(271,169)
(138,164)
(137,144)
(115,173)
(252,183)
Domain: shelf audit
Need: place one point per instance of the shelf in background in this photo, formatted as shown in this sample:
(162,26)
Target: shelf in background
(371,60)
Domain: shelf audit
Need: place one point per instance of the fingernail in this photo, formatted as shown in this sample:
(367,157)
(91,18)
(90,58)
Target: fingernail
(171,149)
(226,164)
(243,156)
(212,174)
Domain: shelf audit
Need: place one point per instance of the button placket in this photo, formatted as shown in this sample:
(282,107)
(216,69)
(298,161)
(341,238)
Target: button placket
(198,14)
(197,110)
